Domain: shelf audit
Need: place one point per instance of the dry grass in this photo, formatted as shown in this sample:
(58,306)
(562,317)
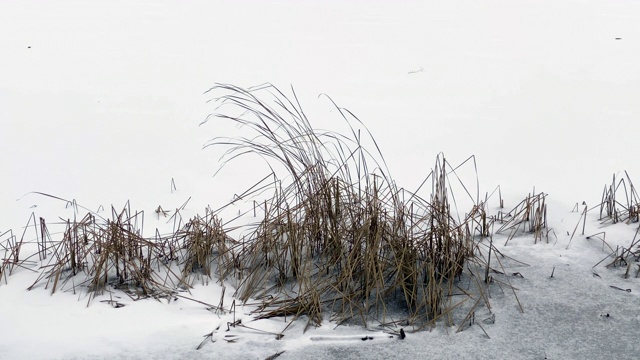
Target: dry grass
(340,236)
(96,255)
(620,203)
(529,216)
(613,208)
(337,238)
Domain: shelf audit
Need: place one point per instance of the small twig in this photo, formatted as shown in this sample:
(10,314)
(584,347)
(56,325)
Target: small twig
(621,289)
(275,355)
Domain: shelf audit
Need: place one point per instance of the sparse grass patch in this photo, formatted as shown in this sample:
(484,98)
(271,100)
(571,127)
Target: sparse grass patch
(530,215)
(620,203)
(614,209)
(96,255)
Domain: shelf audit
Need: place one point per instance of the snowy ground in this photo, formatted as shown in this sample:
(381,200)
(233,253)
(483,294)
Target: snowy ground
(101,101)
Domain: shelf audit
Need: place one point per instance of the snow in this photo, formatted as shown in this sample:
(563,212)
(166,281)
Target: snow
(101,101)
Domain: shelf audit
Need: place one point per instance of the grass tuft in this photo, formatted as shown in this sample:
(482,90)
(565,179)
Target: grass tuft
(336,238)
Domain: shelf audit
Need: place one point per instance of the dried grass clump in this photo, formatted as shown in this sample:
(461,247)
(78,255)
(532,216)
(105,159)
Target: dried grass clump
(203,246)
(338,234)
(612,208)
(97,254)
(336,238)
(103,252)
(10,254)
(530,215)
